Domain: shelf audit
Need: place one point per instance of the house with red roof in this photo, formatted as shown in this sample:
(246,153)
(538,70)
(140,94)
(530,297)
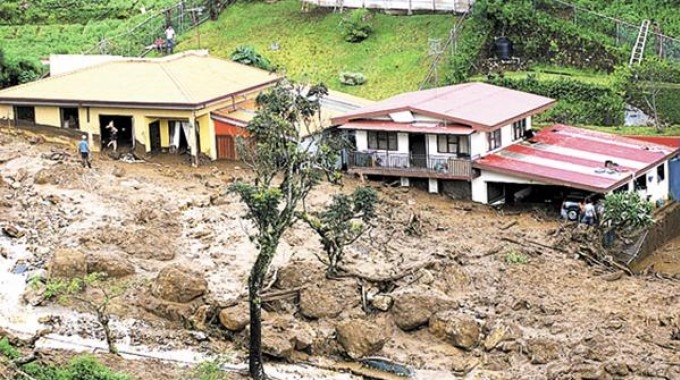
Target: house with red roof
(475,141)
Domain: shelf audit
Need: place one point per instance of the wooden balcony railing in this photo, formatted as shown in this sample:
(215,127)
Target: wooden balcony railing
(437,165)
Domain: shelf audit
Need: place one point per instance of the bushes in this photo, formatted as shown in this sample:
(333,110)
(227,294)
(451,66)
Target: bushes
(356,26)
(654,79)
(248,56)
(579,102)
(352,79)
(472,41)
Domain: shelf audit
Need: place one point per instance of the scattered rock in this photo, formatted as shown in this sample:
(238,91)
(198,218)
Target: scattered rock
(36,139)
(589,371)
(501,332)
(299,273)
(43,177)
(413,307)
(382,302)
(464,364)
(617,368)
(118,171)
(67,263)
(13,231)
(543,350)
(213,183)
(488,375)
(219,199)
(283,335)
(110,264)
(176,283)
(34,295)
(459,329)
(361,338)
(327,299)
(235,318)
(172,311)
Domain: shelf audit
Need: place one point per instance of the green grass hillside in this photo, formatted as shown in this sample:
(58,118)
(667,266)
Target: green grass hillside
(311,47)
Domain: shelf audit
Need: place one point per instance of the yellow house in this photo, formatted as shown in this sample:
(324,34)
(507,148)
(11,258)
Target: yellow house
(155,104)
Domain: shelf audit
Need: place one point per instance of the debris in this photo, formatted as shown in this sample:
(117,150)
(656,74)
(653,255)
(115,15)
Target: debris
(13,231)
(67,263)
(459,329)
(177,283)
(360,337)
(413,307)
(381,302)
(508,225)
(235,318)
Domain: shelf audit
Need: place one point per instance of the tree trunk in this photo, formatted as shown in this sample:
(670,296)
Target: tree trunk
(255,282)
(104,321)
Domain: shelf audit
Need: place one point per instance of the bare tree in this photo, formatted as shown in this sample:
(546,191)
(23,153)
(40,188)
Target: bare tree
(284,172)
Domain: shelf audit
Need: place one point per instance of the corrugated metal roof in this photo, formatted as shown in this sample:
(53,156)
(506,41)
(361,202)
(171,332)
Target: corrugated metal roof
(671,141)
(186,79)
(375,125)
(480,105)
(575,157)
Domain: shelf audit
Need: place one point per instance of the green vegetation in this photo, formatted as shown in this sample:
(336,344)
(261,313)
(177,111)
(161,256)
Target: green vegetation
(84,367)
(356,26)
(210,370)
(248,56)
(311,46)
(627,211)
(516,257)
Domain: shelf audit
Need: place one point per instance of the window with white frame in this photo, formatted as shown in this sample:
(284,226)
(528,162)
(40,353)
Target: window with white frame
(518,129)
(380,140)
(448,144)
(494,139)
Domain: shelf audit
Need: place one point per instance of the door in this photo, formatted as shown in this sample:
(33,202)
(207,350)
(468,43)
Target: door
(418,151)
(674,178)
(226,148)
(155,136)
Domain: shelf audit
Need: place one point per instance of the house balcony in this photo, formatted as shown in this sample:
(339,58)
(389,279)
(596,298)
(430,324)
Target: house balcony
(409,165)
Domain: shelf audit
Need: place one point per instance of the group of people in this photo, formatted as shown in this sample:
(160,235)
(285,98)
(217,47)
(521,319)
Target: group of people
(588,212)
(84,146)
(169,41)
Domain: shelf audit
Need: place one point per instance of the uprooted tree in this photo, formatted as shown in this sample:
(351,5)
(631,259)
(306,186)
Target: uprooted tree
(343,222)
(284,173)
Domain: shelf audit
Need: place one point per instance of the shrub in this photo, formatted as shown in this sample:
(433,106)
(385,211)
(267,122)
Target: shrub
(249,56)
(578,102)
(516,257)
(210,370)
(352,79)
(627,210)
(356,26)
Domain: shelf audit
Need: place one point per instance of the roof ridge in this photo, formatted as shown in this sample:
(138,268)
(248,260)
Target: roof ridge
(182,90)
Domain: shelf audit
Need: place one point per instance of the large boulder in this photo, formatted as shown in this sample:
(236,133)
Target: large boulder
(501,332)
(327,299)
(361,338)
(110,264)
(414,306)
(235,318)
(282,336)
(177,283)
(459,329)
(67,263)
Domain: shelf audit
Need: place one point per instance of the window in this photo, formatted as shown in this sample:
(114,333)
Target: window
(494,139)
(641,182)
(622,189)
(447,144)
(382,140)
(518,129)
(25,114)
(660,172)
(69,117)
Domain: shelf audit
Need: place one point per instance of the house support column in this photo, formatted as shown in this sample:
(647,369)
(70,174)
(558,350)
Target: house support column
(404,182)
(193,143)
(433,185)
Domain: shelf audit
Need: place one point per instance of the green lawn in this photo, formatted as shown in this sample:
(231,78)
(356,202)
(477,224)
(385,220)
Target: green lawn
(545,72)
(311,47)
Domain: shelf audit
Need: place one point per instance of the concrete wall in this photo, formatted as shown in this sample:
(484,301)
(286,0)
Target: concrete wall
(457,189)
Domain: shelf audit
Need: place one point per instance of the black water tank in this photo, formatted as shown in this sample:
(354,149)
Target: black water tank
(503,48)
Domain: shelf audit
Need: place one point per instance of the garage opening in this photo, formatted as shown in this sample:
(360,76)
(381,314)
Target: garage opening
(125,136)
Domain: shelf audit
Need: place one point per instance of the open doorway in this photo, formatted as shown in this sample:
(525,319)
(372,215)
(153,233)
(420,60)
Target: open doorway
(124,126)
(179,130)
(69,117)
(416,143)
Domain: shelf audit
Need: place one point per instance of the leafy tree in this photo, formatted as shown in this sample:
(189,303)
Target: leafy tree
(342,223)
(284,174)
(627,210)
(14,72)
(356,27)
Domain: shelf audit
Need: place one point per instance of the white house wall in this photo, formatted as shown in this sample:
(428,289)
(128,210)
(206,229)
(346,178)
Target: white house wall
(479,184)
(656,190)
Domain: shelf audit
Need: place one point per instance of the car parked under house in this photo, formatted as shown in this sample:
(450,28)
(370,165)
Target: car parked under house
(475,141)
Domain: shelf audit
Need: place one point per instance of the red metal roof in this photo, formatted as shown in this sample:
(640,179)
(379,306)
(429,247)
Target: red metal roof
(441,129)
(575,157)
(479,105)
(671,141)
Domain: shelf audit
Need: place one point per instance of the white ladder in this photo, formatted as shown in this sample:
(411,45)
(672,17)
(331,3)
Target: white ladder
(639,47)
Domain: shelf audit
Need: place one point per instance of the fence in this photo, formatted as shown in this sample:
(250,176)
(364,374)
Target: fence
(619,32)
(456,6)
(183,16)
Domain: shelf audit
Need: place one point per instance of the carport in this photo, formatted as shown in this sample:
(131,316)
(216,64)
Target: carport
(560,159)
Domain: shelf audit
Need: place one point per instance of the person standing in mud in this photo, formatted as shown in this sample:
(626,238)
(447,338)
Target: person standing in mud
(84,149)
(113,139)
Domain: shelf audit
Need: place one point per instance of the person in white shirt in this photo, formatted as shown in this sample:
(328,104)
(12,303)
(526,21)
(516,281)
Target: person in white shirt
(169,39)
(589,213)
